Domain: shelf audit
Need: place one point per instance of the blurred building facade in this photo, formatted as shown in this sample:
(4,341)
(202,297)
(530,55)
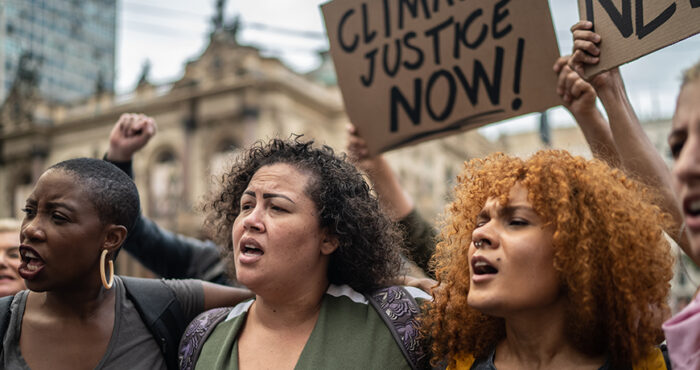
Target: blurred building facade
(229,97)
(70,44)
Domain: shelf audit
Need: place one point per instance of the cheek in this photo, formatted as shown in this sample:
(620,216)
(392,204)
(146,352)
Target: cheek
(14,264)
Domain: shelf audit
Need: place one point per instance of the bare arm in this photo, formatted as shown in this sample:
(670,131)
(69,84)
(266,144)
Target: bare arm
(579,97)
(216,295)
(391,195)
(419,235)
(638,156)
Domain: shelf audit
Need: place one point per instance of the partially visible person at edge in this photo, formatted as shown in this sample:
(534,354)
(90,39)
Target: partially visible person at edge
(76,313)
(10,281)
(555,262)
(175,256)
(304,232)
(683,330)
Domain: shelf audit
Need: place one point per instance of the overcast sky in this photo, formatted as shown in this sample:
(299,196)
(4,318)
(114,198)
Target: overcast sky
(170,32)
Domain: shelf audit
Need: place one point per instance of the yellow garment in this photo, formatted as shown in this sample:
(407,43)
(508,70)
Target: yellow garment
(654,361)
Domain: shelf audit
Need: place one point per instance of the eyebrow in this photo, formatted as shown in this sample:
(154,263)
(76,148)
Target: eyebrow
(54,205)
(269,195)
(507,210)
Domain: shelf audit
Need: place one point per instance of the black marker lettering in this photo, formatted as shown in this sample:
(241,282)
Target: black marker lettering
(622,20)
(419,53)
(367,36)
(367,81)
(396,97)
(391,71)
(589,11)
(346,48)
(412,6)
(499,15)
(451,94)
(387,19)
(645,29)
(517,102)
(435,34)
(493,86)
(462,32)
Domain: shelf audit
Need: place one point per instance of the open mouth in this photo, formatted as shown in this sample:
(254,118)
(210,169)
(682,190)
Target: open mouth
(251,250)
(481,266)
(31,263)
(692,207)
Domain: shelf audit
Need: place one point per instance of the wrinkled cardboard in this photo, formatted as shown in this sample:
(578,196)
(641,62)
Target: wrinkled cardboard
(628,34)
(523,25)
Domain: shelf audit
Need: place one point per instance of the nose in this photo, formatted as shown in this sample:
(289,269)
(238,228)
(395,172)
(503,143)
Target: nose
(253,221)
(485,236)
(31,230)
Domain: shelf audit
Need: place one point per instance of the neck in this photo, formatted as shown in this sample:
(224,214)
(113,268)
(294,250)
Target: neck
(81,301)
(286,310)
(537,339)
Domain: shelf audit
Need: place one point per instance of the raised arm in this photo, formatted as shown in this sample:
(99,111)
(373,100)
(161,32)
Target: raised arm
(579,98)
(638,156)
(419,235)
(167,254)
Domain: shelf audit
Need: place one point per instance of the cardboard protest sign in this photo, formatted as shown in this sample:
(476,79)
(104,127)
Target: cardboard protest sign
(630,29)
(413,70)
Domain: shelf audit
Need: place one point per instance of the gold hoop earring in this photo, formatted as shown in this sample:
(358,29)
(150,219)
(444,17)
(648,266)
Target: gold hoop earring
(106,284)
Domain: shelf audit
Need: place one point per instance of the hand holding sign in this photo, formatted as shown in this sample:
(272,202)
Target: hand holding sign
(638,27)
(587,54)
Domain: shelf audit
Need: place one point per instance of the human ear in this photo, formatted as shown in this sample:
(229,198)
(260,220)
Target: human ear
(114,237)
(329,245)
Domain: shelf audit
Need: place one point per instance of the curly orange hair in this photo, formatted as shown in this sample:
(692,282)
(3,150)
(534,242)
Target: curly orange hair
(609,250)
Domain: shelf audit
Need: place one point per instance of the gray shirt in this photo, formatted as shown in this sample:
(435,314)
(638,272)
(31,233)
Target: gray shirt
(131,346)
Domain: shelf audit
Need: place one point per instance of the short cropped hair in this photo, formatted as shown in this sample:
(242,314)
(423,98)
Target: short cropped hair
(609,250)
(367,256)
(108,188)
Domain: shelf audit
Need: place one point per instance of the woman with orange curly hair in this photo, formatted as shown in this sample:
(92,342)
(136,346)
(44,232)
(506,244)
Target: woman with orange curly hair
(554,262)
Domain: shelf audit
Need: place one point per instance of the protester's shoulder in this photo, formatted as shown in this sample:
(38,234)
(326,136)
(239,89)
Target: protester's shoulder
(180,285)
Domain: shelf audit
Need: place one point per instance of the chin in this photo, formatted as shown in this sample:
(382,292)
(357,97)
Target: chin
(485,305)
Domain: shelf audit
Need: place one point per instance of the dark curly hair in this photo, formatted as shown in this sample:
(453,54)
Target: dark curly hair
(367,256)
(612,258)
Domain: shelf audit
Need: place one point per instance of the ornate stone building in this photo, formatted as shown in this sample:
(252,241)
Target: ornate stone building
(229,97)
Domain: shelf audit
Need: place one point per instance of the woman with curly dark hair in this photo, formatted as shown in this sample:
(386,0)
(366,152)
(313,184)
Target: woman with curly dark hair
(304,232)
(554,261)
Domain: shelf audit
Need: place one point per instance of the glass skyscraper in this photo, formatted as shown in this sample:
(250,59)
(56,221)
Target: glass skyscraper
(72,43)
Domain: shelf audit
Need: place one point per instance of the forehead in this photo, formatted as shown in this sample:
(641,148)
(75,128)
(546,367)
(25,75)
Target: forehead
(517,195)
(280,177)
(688,104)
(59,185)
